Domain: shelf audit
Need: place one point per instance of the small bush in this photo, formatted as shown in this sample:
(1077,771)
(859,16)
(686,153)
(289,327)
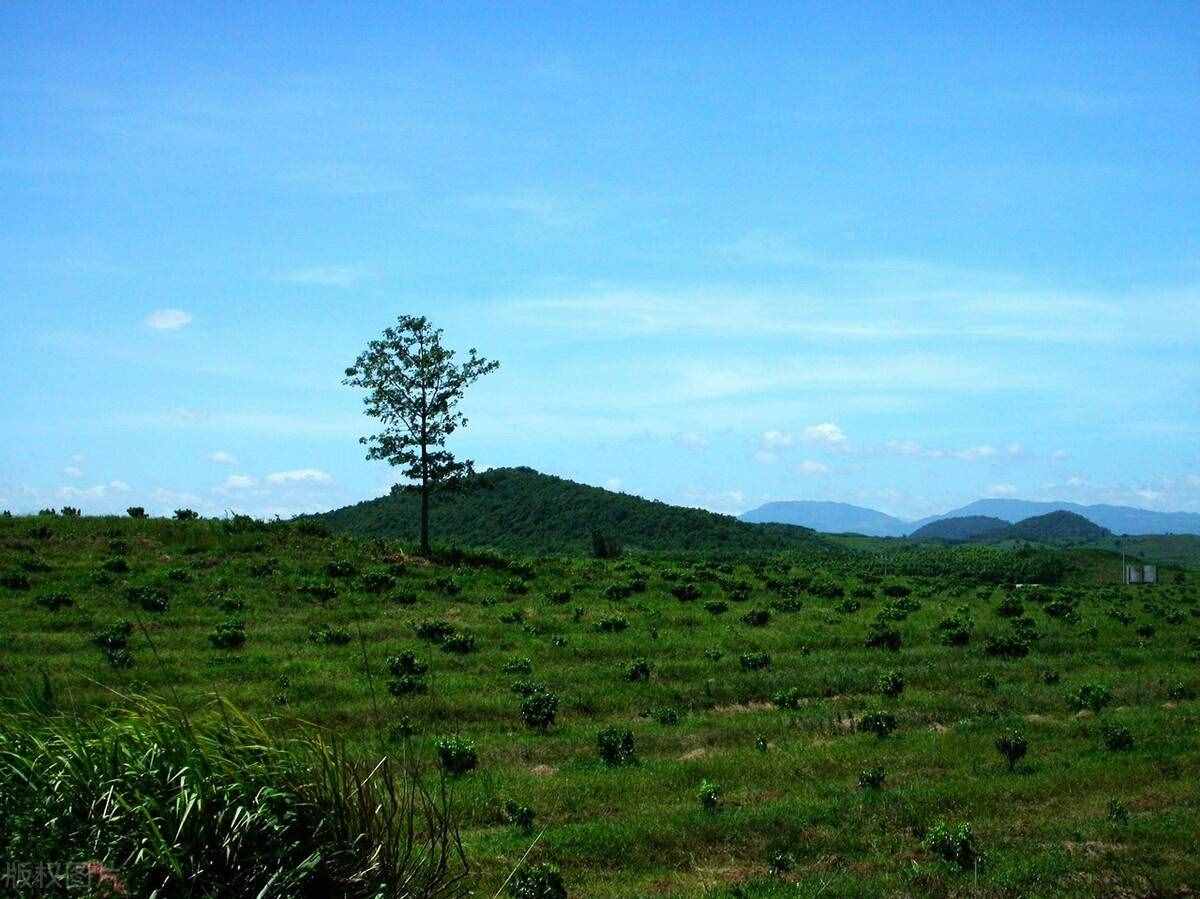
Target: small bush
(317,589)
(615,746)
(538,881)
(1116,737)
(612,624)
(329,636)
(407,685)
(955,844)
(406,663)
(716,607)
(883,636)
(878,723)
(872,778)
(890,684)
(1010,607)
(517,666)
(539,709)
(150,598)
(115,565)
(709,796)
(186,515)
(520,816)
(790,699)
(896,591)
(52,602)
(136,512)
(755,661)
(685,592)
(435,630)
(457,755)
(1090,696)
(1117,812)
(637,670)
(559,597)
(757,618)
(15,581)
(377,582)
(667,717)
(229,634)
(461,643)
(1013,745)
(1006,646)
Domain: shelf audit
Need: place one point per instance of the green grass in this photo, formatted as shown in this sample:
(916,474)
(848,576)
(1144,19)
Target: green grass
(640,829)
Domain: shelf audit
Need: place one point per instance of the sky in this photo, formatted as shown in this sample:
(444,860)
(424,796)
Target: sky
(903,256)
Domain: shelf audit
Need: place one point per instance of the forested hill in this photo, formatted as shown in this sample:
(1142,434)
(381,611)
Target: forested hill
(520,510)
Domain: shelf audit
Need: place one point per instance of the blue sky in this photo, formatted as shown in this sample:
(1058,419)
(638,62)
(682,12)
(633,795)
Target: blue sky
(726,253)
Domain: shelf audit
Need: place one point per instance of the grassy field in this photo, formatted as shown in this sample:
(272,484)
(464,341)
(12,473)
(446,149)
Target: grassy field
(753,701)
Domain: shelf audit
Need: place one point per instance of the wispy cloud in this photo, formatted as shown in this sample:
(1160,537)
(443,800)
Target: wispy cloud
(340,276)
(300,475)
(221,457)
(168,319)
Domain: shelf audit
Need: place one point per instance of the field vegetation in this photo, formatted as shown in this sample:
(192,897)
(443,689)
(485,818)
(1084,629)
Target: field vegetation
(803,722)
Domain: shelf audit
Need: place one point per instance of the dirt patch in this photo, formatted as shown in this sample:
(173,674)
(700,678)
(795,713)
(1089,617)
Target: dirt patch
(543,770)
(693,755)
(741,708)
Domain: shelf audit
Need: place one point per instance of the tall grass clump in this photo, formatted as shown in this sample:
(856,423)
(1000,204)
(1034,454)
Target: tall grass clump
(159,805)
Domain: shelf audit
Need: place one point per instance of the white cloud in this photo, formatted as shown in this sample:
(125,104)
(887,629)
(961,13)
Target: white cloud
(168,319)
(692,440)
(811,466)
(772,440)
(975,453)
(1193,480)
(998,490)
(1059,455)
(827,433)
(612,484)
(1150,496)
(300,475)
(73,471)
(95,492)
(342,276)
(238,482)
(765,457)
(222,458)
(1015,449)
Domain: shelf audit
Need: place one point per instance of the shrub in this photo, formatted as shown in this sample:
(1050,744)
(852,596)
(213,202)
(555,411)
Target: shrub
(406,663)
(754,661)
(15,581)
(559,597)
(435,630)
(896,591)
(878,723)
(667,716)
(115,565)
(179,575)
(520,816)
(513,616)
(715,655)
(716,606)
(757,618)
(890,683)
(407,685)
(1012,745)
(782,862)
(70,512)
(1090,696)
(1011,645)
(229,634)
(871,778)
(150,598)
(1010,607)
(539,709)
(52,602)
(317,589)
(329,636)
(526,687)
(340,568)
(517,666)
(186,515)
(760,743)
(848,606)
(1117,738)
(136,512)
(791,698)
(462,643)
(537,881)
(615,746)
(377,582)
(1117,812)
(638,670)
(457,755)
(685,592)
(605,546)
(955,844)
(709,796)
(445,586)
(115,636)
(825,587)
(987,681)
(883,636)
(405,598)
(612,624)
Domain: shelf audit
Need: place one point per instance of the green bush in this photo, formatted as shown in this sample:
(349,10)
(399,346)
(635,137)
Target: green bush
(890,684)
(615,746)
(612,624)
(52,602)
(1116,737)
(953,843)
(872,778)
(883,636)
(520,816)
(406,663)
(637,670)
(329,636)
(1013,745)
(435,631)
(408,685)
(757,618)
(1093,697)
(878,723)
(685,592)
(539,709)
(709,796)
(716,607)
(456,755)
(755,661)
(460,642)
(538,881)
(229,634)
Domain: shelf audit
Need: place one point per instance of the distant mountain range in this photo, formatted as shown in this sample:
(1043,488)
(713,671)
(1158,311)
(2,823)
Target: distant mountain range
(837,518)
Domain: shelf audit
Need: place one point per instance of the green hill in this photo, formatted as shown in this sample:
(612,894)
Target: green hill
(523,511)
(967,527)
(1055,527)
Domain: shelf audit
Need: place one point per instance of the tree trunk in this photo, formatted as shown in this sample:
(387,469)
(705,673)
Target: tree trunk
(425,550)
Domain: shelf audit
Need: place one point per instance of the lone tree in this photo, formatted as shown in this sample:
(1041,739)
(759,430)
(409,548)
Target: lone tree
(413,386)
